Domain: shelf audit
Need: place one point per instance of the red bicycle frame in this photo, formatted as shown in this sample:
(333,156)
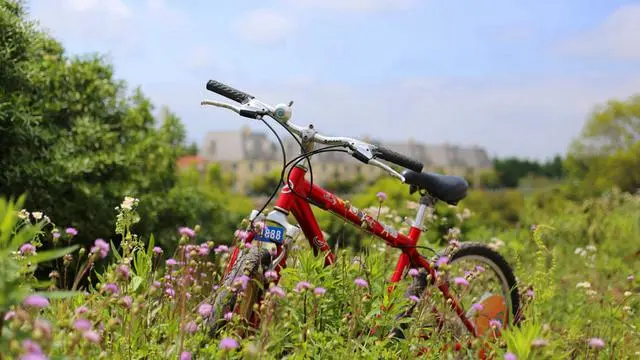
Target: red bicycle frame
(295,199)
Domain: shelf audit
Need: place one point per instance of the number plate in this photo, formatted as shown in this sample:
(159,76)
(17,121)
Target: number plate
(273,234)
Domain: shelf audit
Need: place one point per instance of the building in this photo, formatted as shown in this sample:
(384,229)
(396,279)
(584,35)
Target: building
(249,154)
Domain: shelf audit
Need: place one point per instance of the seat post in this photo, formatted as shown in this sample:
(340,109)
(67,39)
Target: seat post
(426,201)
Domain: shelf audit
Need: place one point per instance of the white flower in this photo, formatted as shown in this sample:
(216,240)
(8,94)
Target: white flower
(628,293)
(584,284)
(591,292)
(128,203)
(37,215)
(591,247)
(627,308)
(23,214)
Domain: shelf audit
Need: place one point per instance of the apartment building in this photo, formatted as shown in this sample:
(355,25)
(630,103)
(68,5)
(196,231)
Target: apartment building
(248,154)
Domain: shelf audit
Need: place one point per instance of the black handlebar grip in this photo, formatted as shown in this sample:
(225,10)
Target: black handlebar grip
(228,92)
(399,159)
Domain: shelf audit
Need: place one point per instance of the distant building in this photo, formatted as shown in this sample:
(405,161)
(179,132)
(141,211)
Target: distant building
(248,154)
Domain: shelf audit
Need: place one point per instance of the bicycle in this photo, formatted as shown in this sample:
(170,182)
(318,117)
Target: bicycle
(493,311)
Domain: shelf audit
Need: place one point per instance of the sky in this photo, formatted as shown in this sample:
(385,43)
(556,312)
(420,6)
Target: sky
(517,77)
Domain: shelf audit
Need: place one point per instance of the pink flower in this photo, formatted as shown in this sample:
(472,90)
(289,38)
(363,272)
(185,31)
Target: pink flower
(157,250)
(228,344)
(302,285)
(477,307)
(81,310)
(55,234)
(630,277)
(171,262)
(71,231)
(101,248)
(228,316)
(127,301)
(205,310)
(33,356)
(414,298)
(185,355)
(31,347)
(529,293)
(187,232)
(479,268)
(271,275)
(495,323)
(539,343)
(9,315)
(413,272)
(596,343)
(123,270)
(361,282)
(91,336)
(510,356)
(190,327)
(242,281)
(111,288)
(241,234)
(82,325)
(461,281)
(156,284)
(277,290)
(44,326)
(36,301)
(27,249)
(203,250)
(319,291)
(170,292)
(221,249)
(442,261)
(381,196)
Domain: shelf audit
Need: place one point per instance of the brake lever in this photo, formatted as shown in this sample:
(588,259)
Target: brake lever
(221,104)
(387,168)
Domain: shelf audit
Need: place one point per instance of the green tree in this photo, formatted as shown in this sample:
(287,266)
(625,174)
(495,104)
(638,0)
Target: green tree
(265,184)
(607,152)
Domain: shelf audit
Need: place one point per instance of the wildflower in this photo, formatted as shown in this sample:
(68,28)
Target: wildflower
(221,249)
(461,281)
(271,275)
(127,301)
(627,293)
(157,250)
(156,284)
(23,214)
(454,243)
(276,290)
(477,307)
(411,205)
(111,288)
(123,270)
(596,343)
(82,325)
(442,261)
(37,215)
(630,277)
(228,344)
(361,282)
(580,251)
(31,347)
(205,310)
(187,232)
(242,281)
(185,355)
(71,231)
(170,292)
(55,234)
(533,227)
(9,315)
(510,356)
(190,327)
(319,291)
(203,250)
(529,293)
(171,262)
(101,248)
(413,272)
(381,196)
(241,234)
(81,310)
(414,298)
(27,249)
(128,202)
(591,292)
(91,336)
(43,326)
(539,343)
(495,323)
(36,301)
(583,284)
(302,285)
(228,316)
(591,247)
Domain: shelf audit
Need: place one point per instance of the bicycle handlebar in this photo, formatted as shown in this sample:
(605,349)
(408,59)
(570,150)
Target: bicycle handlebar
(253,108)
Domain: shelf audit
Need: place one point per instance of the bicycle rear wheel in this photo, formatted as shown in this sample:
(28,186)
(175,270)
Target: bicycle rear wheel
(480,279)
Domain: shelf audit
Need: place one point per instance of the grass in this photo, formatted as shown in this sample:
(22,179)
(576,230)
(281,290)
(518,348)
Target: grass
(577,267)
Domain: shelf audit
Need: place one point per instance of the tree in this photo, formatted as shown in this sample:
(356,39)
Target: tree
(607,152)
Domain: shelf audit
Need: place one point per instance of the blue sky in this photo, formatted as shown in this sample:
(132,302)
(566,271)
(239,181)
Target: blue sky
(516,77)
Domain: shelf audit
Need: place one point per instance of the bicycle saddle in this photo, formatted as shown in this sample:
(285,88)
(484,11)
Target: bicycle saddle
(450,189)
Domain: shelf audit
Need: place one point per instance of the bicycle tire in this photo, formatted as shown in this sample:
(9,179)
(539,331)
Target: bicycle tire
(468,249)
(251,262)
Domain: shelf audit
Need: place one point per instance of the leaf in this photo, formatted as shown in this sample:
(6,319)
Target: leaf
(115,252)
(52,254)
(59,294)
(136,281)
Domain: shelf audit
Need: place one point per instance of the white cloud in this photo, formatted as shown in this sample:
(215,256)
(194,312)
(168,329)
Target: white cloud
(200,57)
(354,5)
(264,26)
(166,14)
(617,37)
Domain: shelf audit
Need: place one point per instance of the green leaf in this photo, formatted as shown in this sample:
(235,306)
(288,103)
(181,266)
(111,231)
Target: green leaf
(52,254)
(115,252)
(59,294)
(136,281)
